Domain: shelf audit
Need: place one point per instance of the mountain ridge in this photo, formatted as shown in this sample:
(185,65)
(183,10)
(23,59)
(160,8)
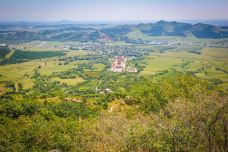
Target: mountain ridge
(116,32)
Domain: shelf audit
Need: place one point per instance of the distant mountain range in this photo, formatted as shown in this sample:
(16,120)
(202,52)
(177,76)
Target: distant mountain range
(72,32)
(163,28)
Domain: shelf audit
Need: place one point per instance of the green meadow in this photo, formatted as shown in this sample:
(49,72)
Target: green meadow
(23,72)
(210,64)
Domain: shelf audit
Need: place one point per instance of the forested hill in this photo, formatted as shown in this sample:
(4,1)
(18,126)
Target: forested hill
(73,32)
(163,28)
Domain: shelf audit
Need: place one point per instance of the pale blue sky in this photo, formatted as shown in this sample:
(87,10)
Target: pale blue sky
(113,10)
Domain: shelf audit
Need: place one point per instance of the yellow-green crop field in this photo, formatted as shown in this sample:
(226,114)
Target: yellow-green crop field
(73,81)
(22,72)
(212,63)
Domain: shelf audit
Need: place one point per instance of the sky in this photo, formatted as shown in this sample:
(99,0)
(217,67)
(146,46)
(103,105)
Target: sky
(113,10)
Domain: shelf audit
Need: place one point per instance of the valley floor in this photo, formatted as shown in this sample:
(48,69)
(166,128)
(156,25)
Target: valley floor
(63,96)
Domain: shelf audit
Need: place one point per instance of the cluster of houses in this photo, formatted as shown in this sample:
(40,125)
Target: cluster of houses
(118,64)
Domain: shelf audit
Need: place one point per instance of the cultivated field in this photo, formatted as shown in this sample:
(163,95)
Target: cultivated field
(23,72)
(208,63)
(211,63)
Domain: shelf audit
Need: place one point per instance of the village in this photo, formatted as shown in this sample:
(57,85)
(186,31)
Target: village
(119,65)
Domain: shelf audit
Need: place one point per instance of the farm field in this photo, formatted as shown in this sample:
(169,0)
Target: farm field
(211,63)
(73,81)
(22,72)
(51,65)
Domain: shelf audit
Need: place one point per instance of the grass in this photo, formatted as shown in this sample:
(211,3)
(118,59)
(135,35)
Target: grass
(221,53)
(96,72)
(212,73)
(73,81)
(212,63)
(27,83)
(99,66)
(223,87)
(155,64)
(51,66)
(17,71)
(93,74)
(76,53)
(194,66)
(43,49)
(10,54)
(22,72)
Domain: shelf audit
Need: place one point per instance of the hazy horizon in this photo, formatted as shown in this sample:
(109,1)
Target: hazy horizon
(101,10)
(218,22)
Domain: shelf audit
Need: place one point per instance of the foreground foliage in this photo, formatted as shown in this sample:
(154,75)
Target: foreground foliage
(175,113)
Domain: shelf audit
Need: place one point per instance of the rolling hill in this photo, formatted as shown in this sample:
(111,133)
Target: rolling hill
(75,32)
